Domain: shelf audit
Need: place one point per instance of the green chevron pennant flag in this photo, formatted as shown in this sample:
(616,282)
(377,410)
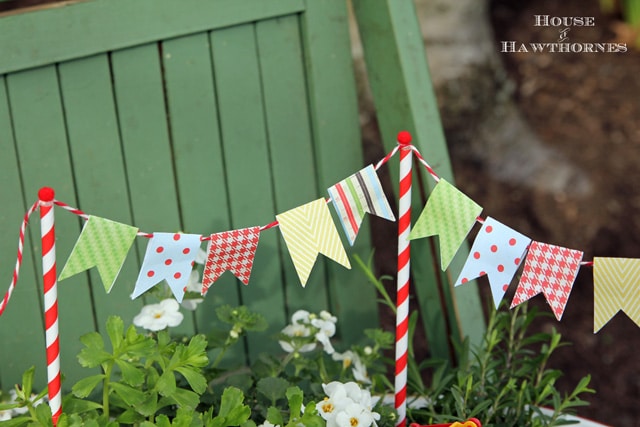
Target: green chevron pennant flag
(104,244)
(449,214)
(616,286)
(308,230)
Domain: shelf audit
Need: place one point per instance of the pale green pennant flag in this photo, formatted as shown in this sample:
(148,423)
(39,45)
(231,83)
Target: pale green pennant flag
(449,214)
(308,230)
(104,244)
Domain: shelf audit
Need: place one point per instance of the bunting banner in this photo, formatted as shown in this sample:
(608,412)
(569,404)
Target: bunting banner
(169,256)
(550,270)
(308,230)
(359,194)
(230,250)
(497,253)
(103,244)
(616,287)
(449,214)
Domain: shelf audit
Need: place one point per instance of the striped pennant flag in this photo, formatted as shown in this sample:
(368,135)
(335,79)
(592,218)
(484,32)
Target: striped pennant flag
(308,230)
(616,286)
(359,194)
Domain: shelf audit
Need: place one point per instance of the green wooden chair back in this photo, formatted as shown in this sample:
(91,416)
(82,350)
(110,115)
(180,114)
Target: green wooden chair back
(188,116)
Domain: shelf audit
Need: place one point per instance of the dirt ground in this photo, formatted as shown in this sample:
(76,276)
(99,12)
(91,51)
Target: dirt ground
(587,106)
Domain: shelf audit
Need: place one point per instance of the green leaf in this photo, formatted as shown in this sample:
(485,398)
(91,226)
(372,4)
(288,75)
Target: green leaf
(196,352)
(72,405)
(273,388)
(181,397)
(166,384)
(130,416)
(232,407)
(295,396)
(43,414)
(131,374)
(115,330)
(93,354)
(85,386)
(15,422)
(130,395)
(27,381)
(274,416)
(196,380)
(149,405)
(231,398)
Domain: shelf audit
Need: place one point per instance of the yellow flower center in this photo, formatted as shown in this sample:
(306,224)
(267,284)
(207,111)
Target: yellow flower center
(158,315)
(327,407)
(353,422)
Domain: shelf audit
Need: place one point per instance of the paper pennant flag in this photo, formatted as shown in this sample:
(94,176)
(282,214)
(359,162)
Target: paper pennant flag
(496,252)
(550,270)
(359,194)
(449,214)
(169,256)
(103,244)
(616,286)
(233,251)
(308,230)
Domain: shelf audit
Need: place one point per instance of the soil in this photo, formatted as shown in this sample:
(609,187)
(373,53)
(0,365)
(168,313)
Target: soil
(586,106)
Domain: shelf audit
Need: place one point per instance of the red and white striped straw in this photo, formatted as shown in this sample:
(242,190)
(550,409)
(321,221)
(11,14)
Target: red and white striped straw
(404,264)
(47,226)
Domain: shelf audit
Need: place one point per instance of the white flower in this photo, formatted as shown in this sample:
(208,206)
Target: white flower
(193,285)
(325,315)
(354,415)
(335,401)
(358,369)
(201,257)
(5,415)
(268,424)
(297,330)
(301,316)
(156,317)
(327,329)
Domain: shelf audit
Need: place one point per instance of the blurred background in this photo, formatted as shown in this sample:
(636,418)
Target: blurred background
(549,144)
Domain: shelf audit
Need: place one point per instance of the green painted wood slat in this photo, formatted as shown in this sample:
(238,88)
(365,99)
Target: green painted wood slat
(98,167)
(23,347)
(404,99)
(43,155)
(89,27)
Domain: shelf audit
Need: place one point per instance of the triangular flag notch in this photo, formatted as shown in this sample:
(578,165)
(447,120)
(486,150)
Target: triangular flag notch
(308,230)
(616,287)
(103,244)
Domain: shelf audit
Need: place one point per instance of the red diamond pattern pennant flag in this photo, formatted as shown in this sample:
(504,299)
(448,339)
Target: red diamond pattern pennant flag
(231,250)
(550,270)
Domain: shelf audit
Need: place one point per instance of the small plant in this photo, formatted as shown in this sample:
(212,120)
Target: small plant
(505,381)
(155,379)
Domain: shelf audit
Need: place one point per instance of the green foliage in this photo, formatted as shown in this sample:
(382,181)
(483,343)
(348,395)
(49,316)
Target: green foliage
(157,380)
(505,381)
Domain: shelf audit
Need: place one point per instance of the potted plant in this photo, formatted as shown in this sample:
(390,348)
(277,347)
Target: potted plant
(148,377)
